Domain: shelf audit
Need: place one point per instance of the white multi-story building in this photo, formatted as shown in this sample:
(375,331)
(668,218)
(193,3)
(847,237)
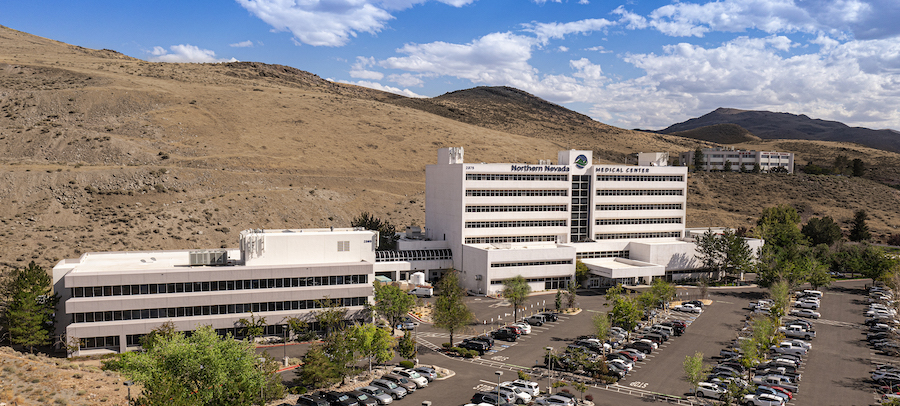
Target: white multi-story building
(109,300)
(715,158)
(492,222)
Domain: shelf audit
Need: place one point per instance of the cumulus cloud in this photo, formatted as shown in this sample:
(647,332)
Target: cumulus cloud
(547,31)
(406,80)
(330,22)
(379,86)
(185,53)
(242,44)
(360,69)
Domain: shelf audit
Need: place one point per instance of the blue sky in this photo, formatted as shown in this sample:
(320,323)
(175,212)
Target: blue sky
(632,64)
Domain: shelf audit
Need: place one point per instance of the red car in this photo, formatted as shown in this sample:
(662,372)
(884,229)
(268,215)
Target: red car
(516,329)
(784,391)
(629,355)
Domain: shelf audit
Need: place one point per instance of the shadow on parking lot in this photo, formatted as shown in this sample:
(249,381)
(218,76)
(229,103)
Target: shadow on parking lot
(862,384)
(741,295)
(847,290)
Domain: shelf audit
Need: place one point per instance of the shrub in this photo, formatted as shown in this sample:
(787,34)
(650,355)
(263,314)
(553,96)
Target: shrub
(470,353)
(589,398)
(407,364)
(446,345)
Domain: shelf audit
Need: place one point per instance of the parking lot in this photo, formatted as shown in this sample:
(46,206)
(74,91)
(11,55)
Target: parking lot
(836,371)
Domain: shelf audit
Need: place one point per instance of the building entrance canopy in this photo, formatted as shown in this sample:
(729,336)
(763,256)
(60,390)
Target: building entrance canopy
(620,268)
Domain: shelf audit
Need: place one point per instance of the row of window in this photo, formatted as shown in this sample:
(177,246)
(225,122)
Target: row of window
(549,283)
(616,222)
(500,176)
(413,255)
(621,236)
(517,238)
(603,254)
(530,263)
(517,193)
(503,209)
(677,192)
(213,286)
(504,224)
(640,178)
(604,207)
(99,342)
(190,311)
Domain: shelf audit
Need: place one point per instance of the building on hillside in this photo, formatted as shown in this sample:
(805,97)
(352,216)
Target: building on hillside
(715,159)
(109,300)
(491,221)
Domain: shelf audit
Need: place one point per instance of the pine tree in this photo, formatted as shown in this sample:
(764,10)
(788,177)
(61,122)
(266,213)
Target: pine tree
(29,312)
(860,230)
(698,159)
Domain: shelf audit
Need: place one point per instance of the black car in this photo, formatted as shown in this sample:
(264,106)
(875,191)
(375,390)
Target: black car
(641,346)
(485,339)
(677,327)
(656,338)
(339,399)
(505,334)
(695,303)
(475,345)
(489,398)
(312,400)
(550,316)
(362,398)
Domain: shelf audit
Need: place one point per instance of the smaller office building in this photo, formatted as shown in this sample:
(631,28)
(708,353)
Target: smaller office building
(109,300)
(715,159)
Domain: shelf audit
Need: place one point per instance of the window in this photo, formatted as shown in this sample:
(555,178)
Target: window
(530,263)
(639,178)
(495,240)
(611,222)
(675,192)
(523,208)
(504,224)
(517,193)
(343,246)
(604,207)
(626,236)
(603,254)
(516,177)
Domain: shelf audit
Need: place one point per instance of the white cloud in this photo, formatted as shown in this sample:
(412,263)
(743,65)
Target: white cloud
(599,49)
(563,48)
(586,70)
(379,86)
(185,53)
(406,80)
(242,44)
(359,69)
(330,22)
(547,31)
(630,20)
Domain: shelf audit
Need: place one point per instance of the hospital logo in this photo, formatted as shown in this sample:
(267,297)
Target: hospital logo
(581,161)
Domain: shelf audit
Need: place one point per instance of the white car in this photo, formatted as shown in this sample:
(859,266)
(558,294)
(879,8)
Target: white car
(805,313)
(807,305)
(787,348)
(413,377)
(710,390)
(799,343)
(879,312)
(529,387)
(763,400)
(635,353)
(526,328)
(522,397)
(688,308)
(625,365)
(651,342)
(555,400)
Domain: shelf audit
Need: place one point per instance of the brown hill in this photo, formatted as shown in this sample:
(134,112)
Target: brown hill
(100,151)
(769,125)
(720,134)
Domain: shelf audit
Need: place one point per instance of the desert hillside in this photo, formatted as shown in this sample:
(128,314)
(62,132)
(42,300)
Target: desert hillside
(100,151)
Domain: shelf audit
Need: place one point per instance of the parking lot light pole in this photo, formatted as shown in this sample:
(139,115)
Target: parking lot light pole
(499,374)
(550,374)
(128,385)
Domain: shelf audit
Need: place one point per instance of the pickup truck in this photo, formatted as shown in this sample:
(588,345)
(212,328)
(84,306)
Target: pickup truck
(797,332)
(775,380)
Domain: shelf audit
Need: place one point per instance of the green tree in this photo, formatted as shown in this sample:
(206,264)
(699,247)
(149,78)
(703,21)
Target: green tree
(582,273)
(693,370)
(698,159)
(571,295)
(341,350)
(203,369)
(516,291)
(601,324)
(780,293)
(626,312)
(163,333)
(558,299)
(392,303)
(778,226)
(819,276)
(387,232)
(332,315)
(406,347)
(727,253)
(662,291)
(859,168)
(822,230)
(318,371)
(841,165)
(30,307)
(450,310)
(743,167)
(373,343)
(727,166)
(756,168)
(300,329)
(860,230)
(877,264)
(253,327)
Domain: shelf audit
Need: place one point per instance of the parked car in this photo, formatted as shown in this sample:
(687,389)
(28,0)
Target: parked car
(364,399)
(378,394)
(676,326)
(807,305)
(526,328)
(413,376)
(641,346)
(688,308)
(536,320)
(428,372)
(489,398)
(522,397)
(555,400)
(391,388)
(710,390)
(485,339)
(782,391)
(639,355)
(339,399)
(312,400)
(530,387)
(763,400)
(788,348)
(407,323)
(515,328)
(550,316)
(505,334)
(805,313)
(475,345)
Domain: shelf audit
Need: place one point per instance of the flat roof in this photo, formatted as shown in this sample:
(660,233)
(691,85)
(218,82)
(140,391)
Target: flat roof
(138,260)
